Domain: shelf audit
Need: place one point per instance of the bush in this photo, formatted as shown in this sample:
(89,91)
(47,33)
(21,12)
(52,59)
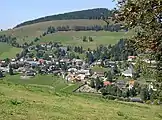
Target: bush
(16,102)
(156,102)
(148,102)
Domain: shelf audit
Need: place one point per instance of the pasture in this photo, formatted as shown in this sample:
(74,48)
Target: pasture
(7,51)
(31,102)
(73,38)
(29,32)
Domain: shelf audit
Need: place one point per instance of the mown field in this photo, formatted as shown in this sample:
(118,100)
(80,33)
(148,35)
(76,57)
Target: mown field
(34,102)
(7,51)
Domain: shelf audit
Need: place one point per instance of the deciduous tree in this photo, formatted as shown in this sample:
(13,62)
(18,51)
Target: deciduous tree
(146,17)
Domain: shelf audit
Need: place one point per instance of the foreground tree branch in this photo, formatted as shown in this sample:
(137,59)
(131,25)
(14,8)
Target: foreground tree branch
(146,17)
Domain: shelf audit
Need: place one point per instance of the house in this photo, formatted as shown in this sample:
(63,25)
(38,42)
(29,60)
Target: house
(43,45)
(131,58)
(30,73)
(49,47)
(150,61)
(139,100)
(21,70)
(63,49)
(121,84)
(71,77)
(152,87)
(29,59)
(131,84)
(22,60)
(72,70)
(67,61)
(109,63)
(85,72)
(13,60)
(98,74)
(99,62)
(4,69)
(94,76)
(106,83)
(80,77)
(129,72)
(41,61)
(77,62)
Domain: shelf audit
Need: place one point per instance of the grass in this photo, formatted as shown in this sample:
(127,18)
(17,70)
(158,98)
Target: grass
(75,38)
(29,32)
(99,69)
(48,81)
(7,51)
(21,103)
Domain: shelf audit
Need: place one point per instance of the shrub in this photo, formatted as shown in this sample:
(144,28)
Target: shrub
(156,102)
(16,102)
(148,102)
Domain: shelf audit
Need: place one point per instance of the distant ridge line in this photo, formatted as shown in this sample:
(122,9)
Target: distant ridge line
(96,13)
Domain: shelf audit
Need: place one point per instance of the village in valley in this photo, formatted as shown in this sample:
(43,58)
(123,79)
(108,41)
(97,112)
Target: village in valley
(60,61)
(113,79)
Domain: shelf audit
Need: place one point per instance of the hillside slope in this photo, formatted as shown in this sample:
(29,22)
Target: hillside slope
(29,32)
(34,103)
(7,51)
(84,14)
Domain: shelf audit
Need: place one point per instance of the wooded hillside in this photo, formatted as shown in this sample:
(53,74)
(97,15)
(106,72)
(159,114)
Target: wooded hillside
(84,14)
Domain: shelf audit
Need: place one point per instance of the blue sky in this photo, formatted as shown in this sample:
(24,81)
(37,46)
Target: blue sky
(16,11)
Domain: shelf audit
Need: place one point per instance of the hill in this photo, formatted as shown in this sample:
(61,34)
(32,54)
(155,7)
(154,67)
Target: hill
(84,14)
(35,102)
(29,32)
(74,38)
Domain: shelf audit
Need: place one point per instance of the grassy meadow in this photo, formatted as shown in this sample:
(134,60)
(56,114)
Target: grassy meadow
(7,51)
(35,102)
(76,38)
(29,32)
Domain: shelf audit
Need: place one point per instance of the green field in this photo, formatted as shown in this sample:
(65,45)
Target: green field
(29,32)
(47,81)
(76,38)
(7,51)
(34,102)
(99,69)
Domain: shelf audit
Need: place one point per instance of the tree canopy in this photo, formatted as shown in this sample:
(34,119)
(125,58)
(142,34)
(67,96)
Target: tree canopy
(146,17)
(84,14)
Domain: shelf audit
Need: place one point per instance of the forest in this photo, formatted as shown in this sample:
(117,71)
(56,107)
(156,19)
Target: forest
(97,13)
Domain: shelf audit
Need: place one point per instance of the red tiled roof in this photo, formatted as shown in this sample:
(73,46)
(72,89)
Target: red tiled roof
(41,60)
(107,83)
(132,57)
